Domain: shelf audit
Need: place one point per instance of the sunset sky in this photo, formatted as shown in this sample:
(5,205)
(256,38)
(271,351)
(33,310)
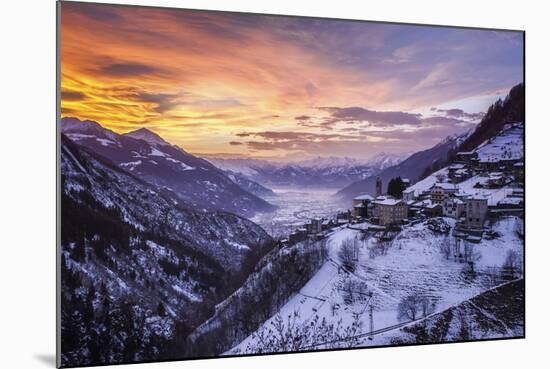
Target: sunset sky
(285,88)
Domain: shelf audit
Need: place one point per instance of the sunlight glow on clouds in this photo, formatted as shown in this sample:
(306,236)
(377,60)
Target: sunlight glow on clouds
(274,86)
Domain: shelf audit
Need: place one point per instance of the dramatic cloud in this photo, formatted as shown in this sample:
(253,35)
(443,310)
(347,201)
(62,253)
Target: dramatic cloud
(202,78)
(72,95)
(162,101)
(380,118)
(288,136)
(459,113)
(129,69)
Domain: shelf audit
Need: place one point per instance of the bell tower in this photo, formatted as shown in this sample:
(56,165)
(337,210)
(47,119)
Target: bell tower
(378,187)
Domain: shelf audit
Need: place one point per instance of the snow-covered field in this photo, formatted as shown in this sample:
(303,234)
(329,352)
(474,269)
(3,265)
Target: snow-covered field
(294,208)
(413,262)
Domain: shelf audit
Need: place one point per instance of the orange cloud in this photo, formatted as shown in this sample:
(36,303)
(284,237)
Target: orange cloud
(198,78)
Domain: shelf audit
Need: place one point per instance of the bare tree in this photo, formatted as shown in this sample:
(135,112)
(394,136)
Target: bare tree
(348,253)
(512,267)
(407,309)
(445,247)
(427,306)
(291,334)
(413,306)
(471,257)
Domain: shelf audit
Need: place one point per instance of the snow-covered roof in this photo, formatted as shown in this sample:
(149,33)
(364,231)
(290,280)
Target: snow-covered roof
(425,184)
(465,152)
(511,201)
(364,197)
(388,201)
(454,200)
(358,206)
(456,166)
(476,197)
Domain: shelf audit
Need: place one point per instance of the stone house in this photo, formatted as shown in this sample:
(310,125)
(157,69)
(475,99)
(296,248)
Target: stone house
(390,211)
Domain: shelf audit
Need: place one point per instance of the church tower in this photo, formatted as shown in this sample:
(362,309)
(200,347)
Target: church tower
(378,187)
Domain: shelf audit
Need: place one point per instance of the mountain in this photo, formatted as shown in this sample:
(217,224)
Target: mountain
(501,113)
(145,154)
(139,270)
(384,160)
(331,172)
(146,135)
(423,163)
(250,185)
(411,168)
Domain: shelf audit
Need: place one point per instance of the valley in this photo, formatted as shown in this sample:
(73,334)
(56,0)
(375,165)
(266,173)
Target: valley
(296,206)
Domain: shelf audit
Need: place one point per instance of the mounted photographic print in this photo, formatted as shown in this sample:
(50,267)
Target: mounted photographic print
(239,184)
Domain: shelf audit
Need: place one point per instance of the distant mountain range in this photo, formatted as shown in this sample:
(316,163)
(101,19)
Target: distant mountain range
(410,168)
(321,172)
(196,182)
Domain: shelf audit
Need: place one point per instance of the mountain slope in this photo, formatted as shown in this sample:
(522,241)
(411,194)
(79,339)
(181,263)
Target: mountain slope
(411,168)
(134,258)
(422,164)
(511,110)
(197,183)
(496,313)
(250,185)
(222,235)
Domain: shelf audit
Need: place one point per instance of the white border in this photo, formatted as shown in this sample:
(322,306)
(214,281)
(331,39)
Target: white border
(28,148)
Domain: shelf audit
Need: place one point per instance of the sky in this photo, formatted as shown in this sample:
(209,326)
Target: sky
(282,88)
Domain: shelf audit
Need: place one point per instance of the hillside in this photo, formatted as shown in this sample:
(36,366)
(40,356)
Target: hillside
(133,257)
(505,145)
(497,313)
(335,300)
(501,113)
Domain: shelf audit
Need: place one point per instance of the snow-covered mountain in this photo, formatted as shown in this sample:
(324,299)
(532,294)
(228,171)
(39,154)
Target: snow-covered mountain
(138,266)
(421,164)
(321,172)
(145,154)
(147,136)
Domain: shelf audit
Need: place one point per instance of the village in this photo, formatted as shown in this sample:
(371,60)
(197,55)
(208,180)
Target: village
(479,187)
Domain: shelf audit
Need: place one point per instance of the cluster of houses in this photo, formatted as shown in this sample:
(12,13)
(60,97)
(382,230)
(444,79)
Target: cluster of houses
(444,197)
(316,228)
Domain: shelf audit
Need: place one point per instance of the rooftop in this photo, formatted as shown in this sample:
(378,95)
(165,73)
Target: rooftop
(388,201)
(364,197)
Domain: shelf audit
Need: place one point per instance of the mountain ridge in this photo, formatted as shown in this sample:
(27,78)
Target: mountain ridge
(197,182)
